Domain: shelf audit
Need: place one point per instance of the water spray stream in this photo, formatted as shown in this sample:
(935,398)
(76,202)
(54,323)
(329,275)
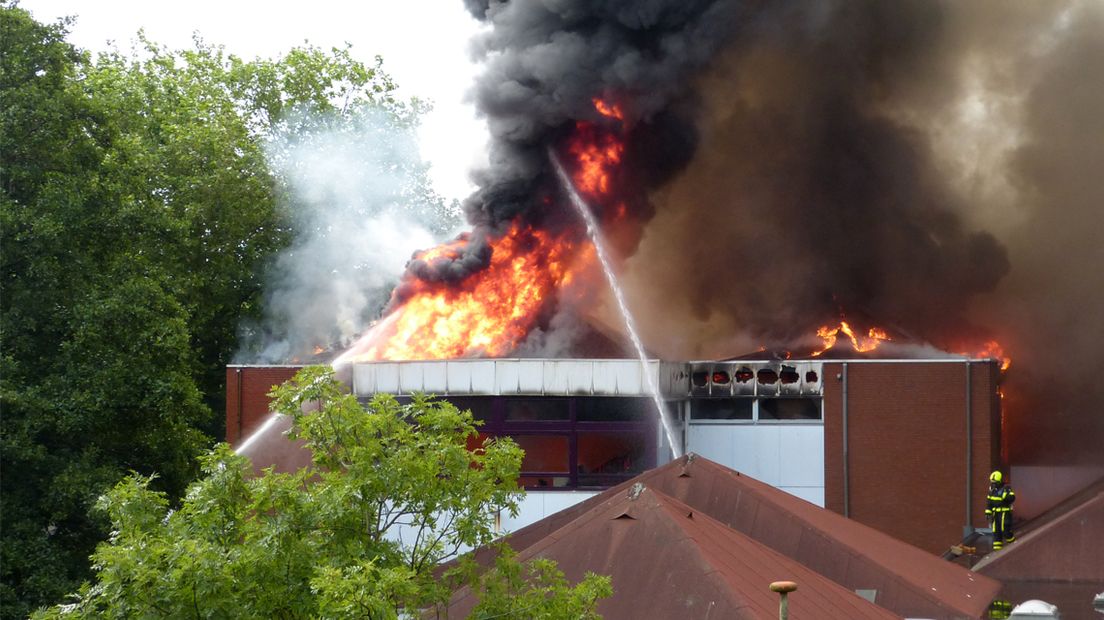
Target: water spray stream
(603,257)
(273,418)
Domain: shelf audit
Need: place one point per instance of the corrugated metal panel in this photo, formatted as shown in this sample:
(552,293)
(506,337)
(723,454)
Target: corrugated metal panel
(412,378)
(530,376)
(628,378)
(555,377)
(435,378)
(580,377)
(520,376)
(482,377)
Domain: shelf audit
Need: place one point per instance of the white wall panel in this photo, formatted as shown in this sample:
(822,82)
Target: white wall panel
(801,450)
(555,377)
(814,495)
(459,378)
(538,505)
(434,377)
(482,377)
(530,376)
(630,377)
(580,377)
(387,378)
(787,456)
(411,377)
(712,441)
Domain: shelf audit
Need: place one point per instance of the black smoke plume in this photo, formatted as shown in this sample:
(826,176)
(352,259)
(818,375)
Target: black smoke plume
(933,166)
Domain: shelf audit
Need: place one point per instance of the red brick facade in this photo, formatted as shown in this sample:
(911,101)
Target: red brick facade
(907,446)
(247,389)
(907,440)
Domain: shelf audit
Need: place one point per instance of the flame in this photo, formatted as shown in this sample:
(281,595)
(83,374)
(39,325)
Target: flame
(610,110)
(861,344)
(487,314)
(993,350)
(597,153)
(492,310)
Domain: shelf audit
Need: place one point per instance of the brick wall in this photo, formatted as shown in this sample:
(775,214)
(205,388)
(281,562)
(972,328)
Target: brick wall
(907,446)
(247,389)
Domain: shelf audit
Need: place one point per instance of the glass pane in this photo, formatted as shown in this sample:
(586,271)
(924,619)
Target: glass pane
(543,409)
(480,407)
(789,409)
(613,409)
(475,442)
(543,482)
(611,453)
(721,409)
(543,453)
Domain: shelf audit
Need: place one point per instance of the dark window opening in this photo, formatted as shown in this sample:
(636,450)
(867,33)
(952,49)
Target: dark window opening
(811,377)
(544,453)
(543,482)
(788,375)
(699,379)
(569,442)
(789,409)
(479,407)
(604,458)
(768,376)
(721,409)
(613,409)
(532,409)
(744,374)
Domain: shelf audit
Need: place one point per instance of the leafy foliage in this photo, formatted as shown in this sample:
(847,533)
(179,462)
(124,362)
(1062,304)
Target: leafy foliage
(394,490)
(137,215)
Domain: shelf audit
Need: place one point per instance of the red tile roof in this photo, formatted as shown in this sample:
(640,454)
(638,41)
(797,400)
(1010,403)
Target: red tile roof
(908,580)
(667,560)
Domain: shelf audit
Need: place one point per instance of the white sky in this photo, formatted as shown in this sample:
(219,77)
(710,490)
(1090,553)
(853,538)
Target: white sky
(424,44)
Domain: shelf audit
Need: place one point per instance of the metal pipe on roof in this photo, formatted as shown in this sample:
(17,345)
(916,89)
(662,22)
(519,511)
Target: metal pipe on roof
(846,486)
(238,374)
(969,453)
(783,588)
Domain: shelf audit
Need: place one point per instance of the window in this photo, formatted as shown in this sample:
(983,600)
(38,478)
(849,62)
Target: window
(569,442)
(789,409)
(544,453)
(753,410)
(614,409)
(601,455)
(533,409)
(721,408)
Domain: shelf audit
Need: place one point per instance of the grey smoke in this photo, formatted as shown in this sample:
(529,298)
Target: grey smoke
(929,166)
(357,190)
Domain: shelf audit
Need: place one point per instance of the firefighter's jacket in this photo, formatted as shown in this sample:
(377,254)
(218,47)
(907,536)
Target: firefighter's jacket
(999,500)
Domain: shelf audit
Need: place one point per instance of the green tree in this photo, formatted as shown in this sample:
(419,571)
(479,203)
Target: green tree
(137,215)
(394,490)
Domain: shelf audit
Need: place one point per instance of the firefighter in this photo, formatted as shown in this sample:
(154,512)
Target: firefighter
(998,509)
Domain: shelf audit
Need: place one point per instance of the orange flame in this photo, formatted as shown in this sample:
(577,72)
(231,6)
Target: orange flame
(610,110)
(861,344)
(488,314)
(993,350)
(492,311)
(598,153)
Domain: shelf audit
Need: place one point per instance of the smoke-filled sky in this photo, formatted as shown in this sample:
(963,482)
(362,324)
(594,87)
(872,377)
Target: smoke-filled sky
(932,167)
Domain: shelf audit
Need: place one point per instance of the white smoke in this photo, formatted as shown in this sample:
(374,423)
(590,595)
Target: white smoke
(361,204)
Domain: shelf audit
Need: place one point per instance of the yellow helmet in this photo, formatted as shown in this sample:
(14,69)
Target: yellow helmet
(995,476)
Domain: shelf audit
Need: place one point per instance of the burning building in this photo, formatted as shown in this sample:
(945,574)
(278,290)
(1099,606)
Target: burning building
(767,176)
(867,438)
